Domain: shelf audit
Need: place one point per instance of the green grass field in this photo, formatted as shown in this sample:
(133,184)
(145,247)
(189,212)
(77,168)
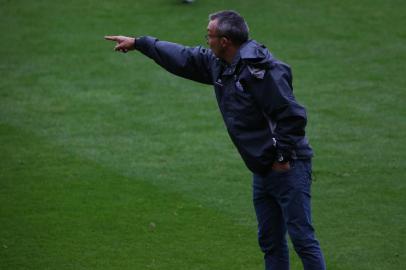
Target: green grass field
(109,162)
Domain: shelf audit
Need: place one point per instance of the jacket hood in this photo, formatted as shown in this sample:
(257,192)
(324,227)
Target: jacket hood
(256,54)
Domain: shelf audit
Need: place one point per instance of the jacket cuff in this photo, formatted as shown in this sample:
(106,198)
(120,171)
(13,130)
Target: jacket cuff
(143,42)
(284,153)
(283,156)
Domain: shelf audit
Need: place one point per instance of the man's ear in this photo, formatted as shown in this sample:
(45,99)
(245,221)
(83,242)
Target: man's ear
(225,42)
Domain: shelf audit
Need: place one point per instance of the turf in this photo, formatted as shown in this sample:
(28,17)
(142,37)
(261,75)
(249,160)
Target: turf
(109,162)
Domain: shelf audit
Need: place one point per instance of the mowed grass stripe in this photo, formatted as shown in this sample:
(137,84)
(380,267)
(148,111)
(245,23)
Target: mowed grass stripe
(63,212)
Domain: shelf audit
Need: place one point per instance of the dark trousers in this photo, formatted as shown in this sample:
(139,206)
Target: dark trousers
(282,204)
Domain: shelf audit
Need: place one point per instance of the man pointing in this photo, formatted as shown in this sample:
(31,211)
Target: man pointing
(265,122)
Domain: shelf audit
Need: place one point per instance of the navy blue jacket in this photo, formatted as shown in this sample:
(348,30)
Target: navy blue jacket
(254,95)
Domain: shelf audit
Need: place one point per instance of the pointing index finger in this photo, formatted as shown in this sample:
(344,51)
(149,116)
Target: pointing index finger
(113,38)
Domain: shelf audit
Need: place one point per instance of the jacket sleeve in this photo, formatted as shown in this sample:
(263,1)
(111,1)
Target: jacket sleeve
(274,94)
(187,62)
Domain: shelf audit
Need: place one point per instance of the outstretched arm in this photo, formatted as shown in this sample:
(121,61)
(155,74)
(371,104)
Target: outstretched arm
(192,63)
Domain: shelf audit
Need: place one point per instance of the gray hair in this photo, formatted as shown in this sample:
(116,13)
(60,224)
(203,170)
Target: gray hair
(231,25)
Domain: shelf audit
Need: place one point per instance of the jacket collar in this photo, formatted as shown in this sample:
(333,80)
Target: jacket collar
(252,53)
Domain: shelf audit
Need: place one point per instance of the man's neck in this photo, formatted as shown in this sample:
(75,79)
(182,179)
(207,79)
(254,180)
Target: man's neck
(230,54)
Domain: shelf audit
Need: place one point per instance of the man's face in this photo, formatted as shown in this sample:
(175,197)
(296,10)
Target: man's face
(215,41)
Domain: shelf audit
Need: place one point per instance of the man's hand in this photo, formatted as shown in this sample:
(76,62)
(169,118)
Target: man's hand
(124,44)
(281,166)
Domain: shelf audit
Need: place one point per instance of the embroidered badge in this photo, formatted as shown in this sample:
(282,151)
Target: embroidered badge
(238,86)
